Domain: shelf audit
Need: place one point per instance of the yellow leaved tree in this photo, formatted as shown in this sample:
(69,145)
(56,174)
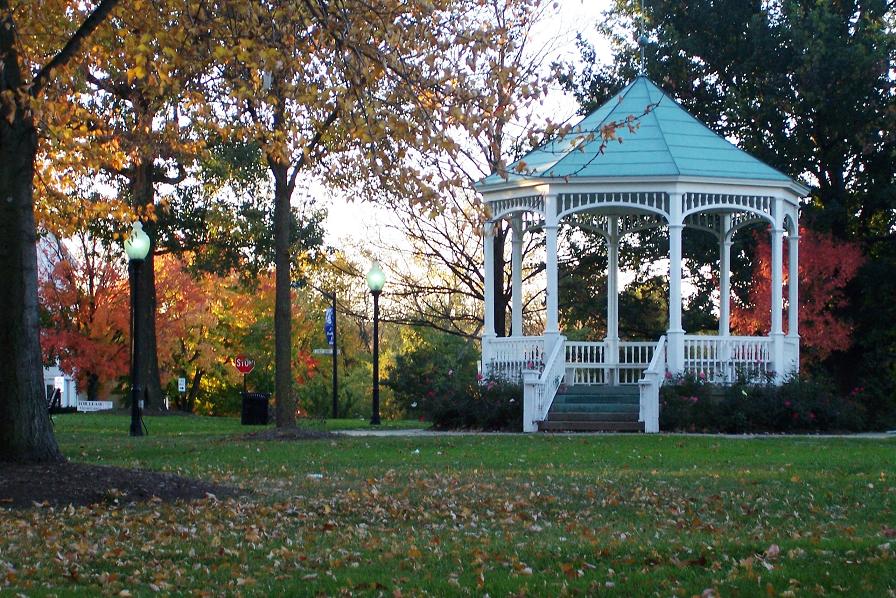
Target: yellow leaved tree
(39,41)
(128,129)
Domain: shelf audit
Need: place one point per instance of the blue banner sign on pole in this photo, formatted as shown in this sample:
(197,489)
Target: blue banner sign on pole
(328,325)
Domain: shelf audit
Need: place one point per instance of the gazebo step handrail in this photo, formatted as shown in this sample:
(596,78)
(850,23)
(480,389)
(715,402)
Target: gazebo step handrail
(649,387)
(538,394)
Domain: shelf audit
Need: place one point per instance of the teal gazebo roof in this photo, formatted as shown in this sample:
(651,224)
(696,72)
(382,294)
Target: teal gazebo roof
(668,142)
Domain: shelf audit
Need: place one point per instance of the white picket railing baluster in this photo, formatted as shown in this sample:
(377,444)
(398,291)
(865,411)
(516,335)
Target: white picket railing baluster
(509,356)
(727,359)
(586,362)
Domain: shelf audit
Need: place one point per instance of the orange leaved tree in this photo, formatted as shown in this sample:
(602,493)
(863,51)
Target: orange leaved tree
(826,267)
(84,297)
(352,92)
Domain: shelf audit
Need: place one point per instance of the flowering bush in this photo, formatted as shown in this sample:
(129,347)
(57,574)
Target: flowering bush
(482,404)
(434,378)
(690,404)
(429,364)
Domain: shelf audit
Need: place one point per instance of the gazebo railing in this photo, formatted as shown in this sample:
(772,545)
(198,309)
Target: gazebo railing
(588,363)
(726,359)
(719,359)
(585,363)
(507,357)
(634,359)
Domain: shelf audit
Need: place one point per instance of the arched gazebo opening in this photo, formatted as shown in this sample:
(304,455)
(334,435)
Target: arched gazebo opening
(673,172)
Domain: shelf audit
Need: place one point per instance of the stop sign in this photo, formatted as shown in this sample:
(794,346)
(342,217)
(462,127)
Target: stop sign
(244,364)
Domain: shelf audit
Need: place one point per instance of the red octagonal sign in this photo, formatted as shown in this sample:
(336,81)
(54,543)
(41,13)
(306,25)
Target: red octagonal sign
(244,364)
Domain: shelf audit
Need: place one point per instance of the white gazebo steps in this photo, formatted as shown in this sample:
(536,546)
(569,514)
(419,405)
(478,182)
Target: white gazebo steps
(594,409)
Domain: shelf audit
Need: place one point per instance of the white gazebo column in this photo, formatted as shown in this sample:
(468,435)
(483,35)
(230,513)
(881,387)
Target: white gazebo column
(724,350)
(725,277)
(488,316)
(552,326)
(516,266)
(793,298)
(675,334)
(611,356)
(777,333)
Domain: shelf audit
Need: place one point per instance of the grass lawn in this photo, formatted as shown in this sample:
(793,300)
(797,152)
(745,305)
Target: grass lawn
(469,515)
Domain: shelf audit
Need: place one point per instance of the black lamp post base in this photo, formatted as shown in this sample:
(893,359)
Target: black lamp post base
(134,267)
(375,418)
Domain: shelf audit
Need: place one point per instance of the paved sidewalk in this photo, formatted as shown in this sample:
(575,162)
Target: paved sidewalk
(417,432)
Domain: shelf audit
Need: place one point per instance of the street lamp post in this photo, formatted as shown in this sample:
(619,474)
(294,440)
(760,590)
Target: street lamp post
(376,278)
(137,248)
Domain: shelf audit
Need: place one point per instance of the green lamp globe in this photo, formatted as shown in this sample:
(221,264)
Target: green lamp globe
(376,278)
(137,243)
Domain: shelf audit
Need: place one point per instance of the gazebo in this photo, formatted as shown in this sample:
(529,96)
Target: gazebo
(669,171)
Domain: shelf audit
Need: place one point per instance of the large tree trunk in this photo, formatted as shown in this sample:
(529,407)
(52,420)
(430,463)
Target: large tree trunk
(25,430)
(143,194)
(194,392)
(93,387)
(286,410)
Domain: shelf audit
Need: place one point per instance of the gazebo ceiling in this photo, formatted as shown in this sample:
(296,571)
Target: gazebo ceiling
(668,143)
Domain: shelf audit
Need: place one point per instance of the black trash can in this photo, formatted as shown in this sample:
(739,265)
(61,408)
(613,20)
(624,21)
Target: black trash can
(255,409)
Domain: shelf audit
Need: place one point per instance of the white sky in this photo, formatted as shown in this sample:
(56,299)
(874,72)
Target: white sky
(349,223)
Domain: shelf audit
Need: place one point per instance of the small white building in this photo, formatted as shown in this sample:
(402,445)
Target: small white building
(55,380)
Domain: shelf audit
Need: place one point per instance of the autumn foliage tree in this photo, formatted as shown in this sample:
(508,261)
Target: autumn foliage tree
(437,280)
(38,41)
(84,300)
(826,267)
(144,79)
(85,308)
(204,320)
(350,91)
